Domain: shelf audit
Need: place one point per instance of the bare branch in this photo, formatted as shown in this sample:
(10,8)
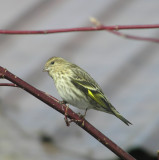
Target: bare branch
(8,84)
(54,103)
(134,37)
(98,24)
(99,27)
(80,29)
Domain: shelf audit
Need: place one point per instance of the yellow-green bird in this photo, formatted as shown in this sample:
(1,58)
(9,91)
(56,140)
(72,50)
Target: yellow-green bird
(78,88)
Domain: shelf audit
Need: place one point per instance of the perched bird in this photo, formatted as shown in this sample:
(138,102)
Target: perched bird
(78,88)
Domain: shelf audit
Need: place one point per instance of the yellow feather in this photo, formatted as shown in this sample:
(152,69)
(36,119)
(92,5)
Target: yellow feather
(96,98)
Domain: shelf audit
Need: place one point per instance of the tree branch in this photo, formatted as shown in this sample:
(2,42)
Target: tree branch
(98,24)
(54,103)
(8,84)
(80,29)
(112,29)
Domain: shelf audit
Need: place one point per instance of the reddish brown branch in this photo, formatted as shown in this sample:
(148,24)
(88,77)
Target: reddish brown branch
(80,29)
(98,24)
(8,84)
(54,103)
(112,29)
(134,37)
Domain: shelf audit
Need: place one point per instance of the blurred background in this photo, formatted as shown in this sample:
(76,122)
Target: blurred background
(127,71)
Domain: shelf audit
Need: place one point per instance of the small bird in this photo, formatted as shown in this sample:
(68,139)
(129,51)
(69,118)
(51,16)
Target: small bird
(78,88)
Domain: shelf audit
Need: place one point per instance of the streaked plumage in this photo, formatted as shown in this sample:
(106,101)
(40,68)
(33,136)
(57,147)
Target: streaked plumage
(78,88)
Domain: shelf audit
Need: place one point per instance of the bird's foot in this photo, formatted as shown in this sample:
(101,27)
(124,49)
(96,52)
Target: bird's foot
(68,122)
(66,115)
(81,115)
(66,118)
(66,109)
(74,120)
(62,102)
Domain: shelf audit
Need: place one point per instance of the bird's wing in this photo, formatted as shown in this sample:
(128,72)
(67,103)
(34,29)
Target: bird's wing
(82,76)
(99,98)
(88,85)
(94,93)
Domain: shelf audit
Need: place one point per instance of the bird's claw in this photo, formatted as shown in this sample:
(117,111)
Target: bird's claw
(62,102)
(73,120)
(80,115)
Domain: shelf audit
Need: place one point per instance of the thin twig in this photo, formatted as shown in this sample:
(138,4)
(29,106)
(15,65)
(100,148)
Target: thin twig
(54,103)
(98,24)
(112,29)
(8,84)
(134,37)
(80,29)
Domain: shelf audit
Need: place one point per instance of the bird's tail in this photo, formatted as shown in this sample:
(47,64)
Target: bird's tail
(123,119)
(118,115)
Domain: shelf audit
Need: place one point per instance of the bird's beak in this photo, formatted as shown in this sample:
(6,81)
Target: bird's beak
(45,69)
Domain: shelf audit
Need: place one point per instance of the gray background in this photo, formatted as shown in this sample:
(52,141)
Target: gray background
(127,70)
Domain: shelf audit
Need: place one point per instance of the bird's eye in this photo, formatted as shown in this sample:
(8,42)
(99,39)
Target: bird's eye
(52,62)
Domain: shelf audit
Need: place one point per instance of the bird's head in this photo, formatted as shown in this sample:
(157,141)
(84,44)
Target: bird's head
(55,64)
